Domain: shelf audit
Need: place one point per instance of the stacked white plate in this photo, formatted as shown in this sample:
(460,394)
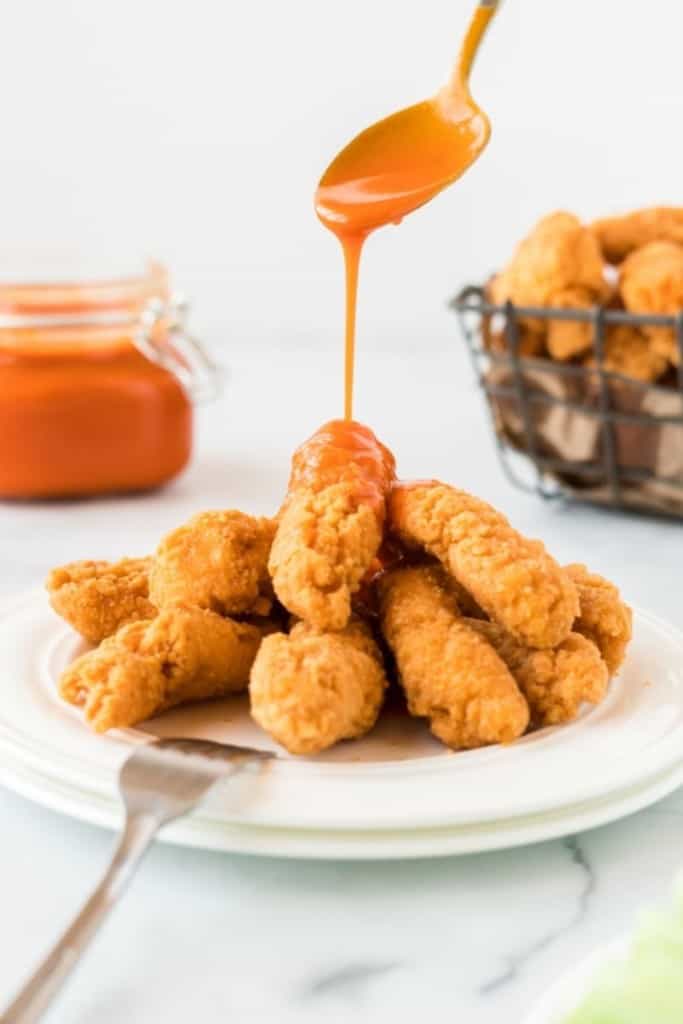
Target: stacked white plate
(397,793)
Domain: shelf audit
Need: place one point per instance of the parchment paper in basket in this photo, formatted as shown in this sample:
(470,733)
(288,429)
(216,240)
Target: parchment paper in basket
(567,418)
(560,431)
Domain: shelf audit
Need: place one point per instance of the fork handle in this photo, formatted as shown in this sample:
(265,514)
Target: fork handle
(34,998)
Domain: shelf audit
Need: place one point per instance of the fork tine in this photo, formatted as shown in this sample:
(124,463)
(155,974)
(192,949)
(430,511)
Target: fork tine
(211,748)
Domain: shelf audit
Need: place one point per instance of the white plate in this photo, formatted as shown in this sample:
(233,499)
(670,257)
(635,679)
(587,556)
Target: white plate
(398,792)
(211,831)
(566,994)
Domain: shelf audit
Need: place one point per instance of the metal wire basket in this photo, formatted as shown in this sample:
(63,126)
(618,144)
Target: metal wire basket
(581,432)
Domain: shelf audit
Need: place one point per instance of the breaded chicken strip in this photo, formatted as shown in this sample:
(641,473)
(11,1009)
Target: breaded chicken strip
(514,580)
(309,689)
(603,617)
(96,598)
(531,343)
(631,353)
(559,256)
(531,334)
(555,681)
(569,338)
(185,654)
(217,560)
(619,236)
(330,527)
(651,281)
(450,673)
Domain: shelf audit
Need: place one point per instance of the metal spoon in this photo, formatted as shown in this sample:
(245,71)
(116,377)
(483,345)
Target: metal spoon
(159,782)
(404,160)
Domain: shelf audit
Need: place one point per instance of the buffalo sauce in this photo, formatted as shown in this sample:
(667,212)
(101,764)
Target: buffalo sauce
(82,410)
(345,451)
(397,165)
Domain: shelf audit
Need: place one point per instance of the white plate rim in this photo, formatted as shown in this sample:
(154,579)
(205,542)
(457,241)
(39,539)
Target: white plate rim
(37,761)
(200,831)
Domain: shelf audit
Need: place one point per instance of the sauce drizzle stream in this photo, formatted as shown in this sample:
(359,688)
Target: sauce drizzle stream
(399,164)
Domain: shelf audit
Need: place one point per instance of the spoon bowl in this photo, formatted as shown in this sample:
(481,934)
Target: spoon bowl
(401,162)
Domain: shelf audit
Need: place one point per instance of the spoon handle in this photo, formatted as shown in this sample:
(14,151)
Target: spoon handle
(479,22)
(34,998)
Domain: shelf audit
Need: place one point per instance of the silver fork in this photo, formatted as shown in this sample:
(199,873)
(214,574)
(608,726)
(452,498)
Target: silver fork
(159,782)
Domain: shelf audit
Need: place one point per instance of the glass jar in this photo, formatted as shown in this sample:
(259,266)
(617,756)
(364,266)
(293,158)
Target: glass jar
(97,381)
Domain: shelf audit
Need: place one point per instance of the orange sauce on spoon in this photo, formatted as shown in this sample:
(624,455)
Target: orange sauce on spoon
(399,164)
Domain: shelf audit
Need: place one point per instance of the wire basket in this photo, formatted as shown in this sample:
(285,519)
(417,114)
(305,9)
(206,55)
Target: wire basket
(575,431)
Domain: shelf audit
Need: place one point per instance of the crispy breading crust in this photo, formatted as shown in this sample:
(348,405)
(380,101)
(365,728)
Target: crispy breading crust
(603,617)
(558,254)
(217,560)
(310,689)
(556,681)
(619,236)
(325,544)
(97,597)
(330,527)
(513,579)
(631,353)
(451,675)
(185,654)
(651,281)
(569,338)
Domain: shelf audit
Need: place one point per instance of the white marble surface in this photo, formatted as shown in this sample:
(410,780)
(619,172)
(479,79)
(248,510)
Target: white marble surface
(474,939)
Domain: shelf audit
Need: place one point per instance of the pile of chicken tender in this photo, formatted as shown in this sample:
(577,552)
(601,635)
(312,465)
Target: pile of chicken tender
(359,582)
(632,263)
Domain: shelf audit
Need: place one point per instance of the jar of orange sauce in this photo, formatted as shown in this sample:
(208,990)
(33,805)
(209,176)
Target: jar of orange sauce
(97,382)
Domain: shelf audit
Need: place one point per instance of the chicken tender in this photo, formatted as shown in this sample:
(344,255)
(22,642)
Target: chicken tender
(330,528)
(560,254)
(619,236)
(450,673)
(628,351)
(219,561)
(185,654)
(651,281)
(603,616)
(514,580)
(555,681)
(532,344)
(309,689)
(97,597)
(569,338)
(531,334)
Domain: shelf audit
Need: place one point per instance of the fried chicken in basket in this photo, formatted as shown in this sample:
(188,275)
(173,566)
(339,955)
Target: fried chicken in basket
(620,236)
(559,264)
(651,281)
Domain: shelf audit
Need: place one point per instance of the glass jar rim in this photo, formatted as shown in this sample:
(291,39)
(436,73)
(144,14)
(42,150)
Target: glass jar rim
(103,302)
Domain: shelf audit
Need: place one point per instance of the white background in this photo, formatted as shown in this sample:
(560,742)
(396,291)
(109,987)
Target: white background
(197,130)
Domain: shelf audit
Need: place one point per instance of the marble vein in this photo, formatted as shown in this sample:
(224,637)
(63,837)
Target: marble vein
(348,982)
(515,963)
